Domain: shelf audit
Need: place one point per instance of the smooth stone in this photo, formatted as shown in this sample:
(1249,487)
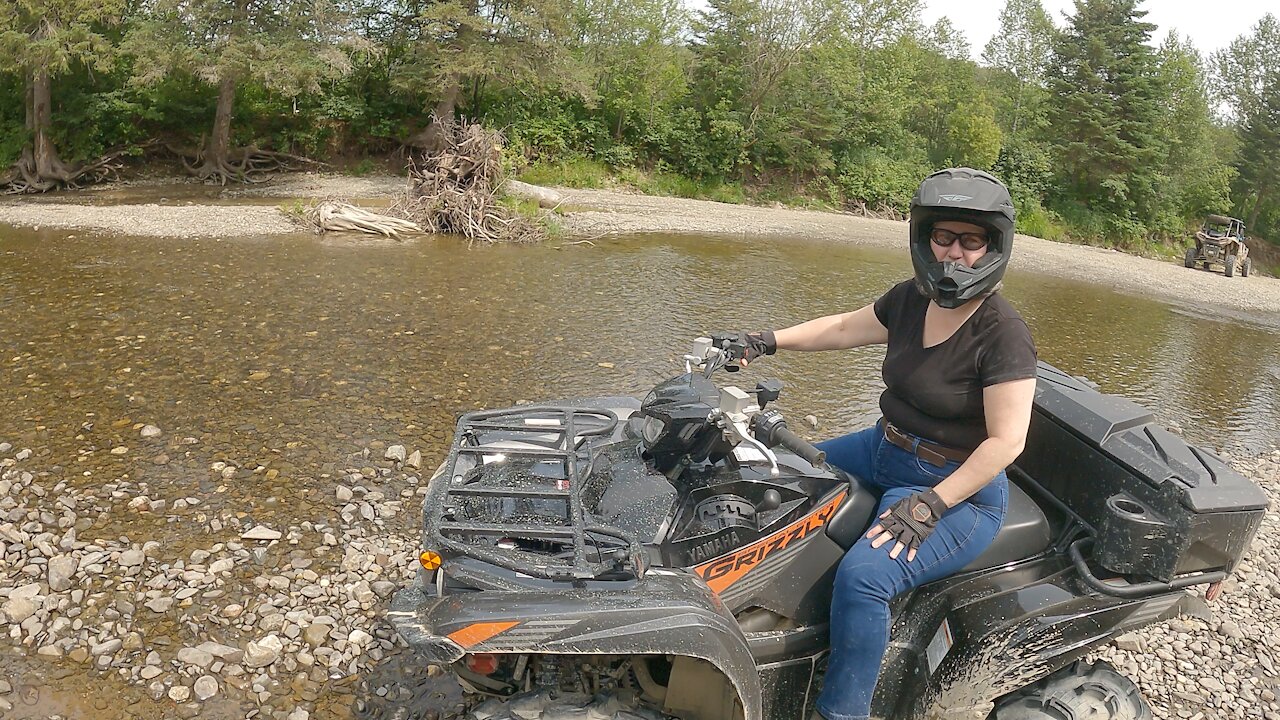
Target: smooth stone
(195,656)
(261,532)
(61,570)
(18,609)
(206,687)
(263,652)
(107,648)
(132,558)
(228,653)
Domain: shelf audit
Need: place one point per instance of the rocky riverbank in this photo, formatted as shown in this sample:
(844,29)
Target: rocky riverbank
(199,612)
(178,606)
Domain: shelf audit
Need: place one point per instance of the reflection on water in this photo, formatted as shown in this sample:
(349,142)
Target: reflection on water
(293,353)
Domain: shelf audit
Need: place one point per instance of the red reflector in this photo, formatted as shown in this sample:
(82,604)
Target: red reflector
(482,663)
(1213,591)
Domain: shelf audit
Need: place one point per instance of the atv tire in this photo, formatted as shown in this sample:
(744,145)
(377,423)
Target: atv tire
(564,706)
(1190,259)
(1080,691)
(1229,265)
(1245,267)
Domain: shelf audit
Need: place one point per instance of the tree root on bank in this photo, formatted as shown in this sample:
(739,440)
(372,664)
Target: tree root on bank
(249,164)
(340,216)
(24,177)
(454,188)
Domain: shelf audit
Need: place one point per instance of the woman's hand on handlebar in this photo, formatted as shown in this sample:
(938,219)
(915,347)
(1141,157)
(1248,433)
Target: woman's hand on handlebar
(756,344)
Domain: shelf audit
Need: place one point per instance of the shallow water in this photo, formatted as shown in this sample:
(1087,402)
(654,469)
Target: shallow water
(293,352)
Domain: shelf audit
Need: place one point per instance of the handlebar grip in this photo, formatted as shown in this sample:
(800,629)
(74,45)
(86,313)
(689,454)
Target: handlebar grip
(799,446)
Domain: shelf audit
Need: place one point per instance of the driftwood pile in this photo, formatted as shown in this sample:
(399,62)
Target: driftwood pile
(343,216)
(454,187)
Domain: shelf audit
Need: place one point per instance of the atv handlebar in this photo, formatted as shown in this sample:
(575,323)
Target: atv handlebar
(801,447)
(771,429)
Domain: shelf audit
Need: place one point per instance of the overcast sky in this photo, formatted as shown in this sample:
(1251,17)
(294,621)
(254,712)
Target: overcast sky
(1211,24)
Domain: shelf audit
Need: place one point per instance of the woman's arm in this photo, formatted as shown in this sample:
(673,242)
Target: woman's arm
(835,332)
(1007,407)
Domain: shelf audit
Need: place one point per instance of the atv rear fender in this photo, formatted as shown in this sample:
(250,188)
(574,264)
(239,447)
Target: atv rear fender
(668,612)
(999,630)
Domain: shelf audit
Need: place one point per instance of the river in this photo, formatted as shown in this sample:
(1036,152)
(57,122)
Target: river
(292,358)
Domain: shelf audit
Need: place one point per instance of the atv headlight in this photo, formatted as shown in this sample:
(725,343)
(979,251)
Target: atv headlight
(651,430)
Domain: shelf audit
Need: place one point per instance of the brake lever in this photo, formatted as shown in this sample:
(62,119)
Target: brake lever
(746,437)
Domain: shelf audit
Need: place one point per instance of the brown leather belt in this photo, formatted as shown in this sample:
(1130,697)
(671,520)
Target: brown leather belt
(932,453)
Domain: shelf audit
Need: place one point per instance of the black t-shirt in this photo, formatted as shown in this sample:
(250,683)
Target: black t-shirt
(936,392)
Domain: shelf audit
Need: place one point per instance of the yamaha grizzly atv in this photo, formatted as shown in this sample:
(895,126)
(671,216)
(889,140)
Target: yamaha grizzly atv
(674,558)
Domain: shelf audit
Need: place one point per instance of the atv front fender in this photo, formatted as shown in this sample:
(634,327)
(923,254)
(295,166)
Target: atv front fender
(666,613)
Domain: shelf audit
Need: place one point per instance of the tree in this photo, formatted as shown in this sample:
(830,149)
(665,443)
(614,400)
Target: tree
(947,40)
(1198,175)
(42,40)
(637,54)
(746,52)
(1242,68)
(1247,78)
(468,44)
(1258,190)
(1104,112)
(1021,49)
(288,46)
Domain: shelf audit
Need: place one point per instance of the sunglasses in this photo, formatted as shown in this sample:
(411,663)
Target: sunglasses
(969,241)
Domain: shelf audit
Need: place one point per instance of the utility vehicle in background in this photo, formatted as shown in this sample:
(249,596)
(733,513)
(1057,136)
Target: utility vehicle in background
(1220,241)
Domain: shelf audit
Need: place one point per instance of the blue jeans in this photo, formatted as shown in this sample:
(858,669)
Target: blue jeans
(868,578)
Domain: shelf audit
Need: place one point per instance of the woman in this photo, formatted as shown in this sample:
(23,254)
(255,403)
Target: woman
(960,376)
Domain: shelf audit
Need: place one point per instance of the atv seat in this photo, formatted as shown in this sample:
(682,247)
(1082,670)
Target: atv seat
(1025,531)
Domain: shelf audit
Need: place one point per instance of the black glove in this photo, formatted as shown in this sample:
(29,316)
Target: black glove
(758,344)
(913,518)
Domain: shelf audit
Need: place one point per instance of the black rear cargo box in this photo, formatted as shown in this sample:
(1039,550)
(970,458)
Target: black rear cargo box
(1159,506)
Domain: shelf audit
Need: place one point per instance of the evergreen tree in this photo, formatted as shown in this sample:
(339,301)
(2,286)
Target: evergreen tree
(41,40)
(1104,113)
(463,48)
(288,46)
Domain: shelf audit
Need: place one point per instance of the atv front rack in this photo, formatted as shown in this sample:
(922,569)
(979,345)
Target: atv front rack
(511,495)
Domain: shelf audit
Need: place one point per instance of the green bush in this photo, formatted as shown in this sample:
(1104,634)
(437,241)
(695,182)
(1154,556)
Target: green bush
(878,180)
(574,172)
(1033,219)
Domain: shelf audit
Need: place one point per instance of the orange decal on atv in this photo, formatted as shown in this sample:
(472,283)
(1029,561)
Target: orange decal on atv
(725,571)
(477,633)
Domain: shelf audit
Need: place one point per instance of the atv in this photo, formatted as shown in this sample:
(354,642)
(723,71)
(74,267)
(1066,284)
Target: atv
(674,557)
(1220,241)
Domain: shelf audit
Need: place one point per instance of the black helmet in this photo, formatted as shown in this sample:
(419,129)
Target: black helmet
(965,195)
